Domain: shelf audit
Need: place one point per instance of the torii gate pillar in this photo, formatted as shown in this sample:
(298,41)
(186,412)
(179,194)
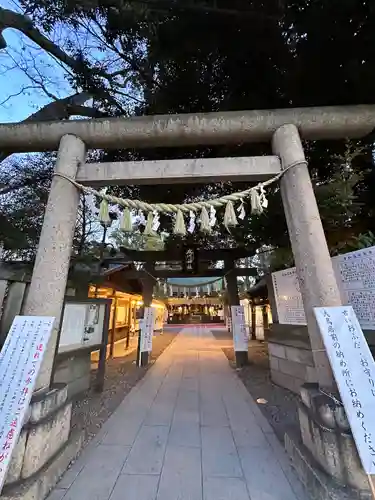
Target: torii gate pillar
(313,263)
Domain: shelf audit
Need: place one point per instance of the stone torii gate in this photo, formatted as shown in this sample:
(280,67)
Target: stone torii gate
(283,128)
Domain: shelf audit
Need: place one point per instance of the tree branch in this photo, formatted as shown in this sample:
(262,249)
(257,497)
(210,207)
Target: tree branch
(10,19)
(61,109)
(22,23)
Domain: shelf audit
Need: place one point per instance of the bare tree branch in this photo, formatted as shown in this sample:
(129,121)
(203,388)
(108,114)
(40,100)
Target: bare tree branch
(85,111)
(61,109)
(22,23)
(10,19)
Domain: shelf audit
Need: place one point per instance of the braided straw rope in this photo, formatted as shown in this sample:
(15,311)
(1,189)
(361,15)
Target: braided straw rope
(195,285)
(184,207)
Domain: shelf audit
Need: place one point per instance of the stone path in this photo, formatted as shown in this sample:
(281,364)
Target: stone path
(188,431)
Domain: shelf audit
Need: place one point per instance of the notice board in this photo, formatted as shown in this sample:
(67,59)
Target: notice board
(355,274)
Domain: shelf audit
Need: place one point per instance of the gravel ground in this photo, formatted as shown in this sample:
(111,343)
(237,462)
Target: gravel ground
(278,405)
(93,409)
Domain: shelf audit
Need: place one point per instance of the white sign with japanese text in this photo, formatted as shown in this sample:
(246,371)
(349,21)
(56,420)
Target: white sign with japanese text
(20,361)
(147,329)
(355,275)
(354,369)
(240,335)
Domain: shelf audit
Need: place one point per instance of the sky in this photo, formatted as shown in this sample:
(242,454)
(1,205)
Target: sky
(14,82)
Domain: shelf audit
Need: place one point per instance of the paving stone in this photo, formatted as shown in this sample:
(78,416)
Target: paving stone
(213,413)
(224,488)
(57,494)
(147,454)
(264,476)
(135,487)
(189,431)
(185,434)
(219,453)
(97,479)
(160,413)
(182,474)
(123,432)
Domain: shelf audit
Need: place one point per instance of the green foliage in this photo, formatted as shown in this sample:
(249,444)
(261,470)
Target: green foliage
(137,241)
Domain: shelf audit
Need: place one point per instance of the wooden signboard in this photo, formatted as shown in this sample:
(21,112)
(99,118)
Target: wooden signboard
(240,335)
(147,329)
(190,260)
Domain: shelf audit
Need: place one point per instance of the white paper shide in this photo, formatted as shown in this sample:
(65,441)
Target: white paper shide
(240,336)
(20,361)
(354,369)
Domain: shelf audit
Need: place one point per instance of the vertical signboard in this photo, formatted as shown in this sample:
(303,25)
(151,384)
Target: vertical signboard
(20,361)
(240,335)
(147,329)
(354,369)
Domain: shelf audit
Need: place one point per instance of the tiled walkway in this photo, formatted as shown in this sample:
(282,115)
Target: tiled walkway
(188,431)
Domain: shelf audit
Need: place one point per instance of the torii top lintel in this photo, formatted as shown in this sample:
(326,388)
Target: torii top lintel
(232,127)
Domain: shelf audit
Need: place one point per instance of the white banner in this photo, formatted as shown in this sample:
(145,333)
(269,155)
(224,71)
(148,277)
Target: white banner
(240,335)
(355,274)
(354,369)
(20,361)
(147,329)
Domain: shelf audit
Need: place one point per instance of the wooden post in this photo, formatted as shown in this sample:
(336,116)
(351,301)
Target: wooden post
(253,322)
(242,357)
(129,318)
(113,334)
(148,287)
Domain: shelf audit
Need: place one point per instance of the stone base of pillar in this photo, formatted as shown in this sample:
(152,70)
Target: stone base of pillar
(242,358)
(325,432)
(44,449)
(318,484)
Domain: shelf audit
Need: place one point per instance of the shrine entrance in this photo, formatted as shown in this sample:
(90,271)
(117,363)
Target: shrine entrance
(209,275)
(286,165)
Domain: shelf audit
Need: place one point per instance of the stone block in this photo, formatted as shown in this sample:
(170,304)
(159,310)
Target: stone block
(292,368)
(276,350)
(302,356)
(15,466)
(38,487)
(287,381)
(72,368)
(45,431)
(75,372)
(326,434)
(274,363)
(45,439)
(77,386)
(311,375)
(318,484)
(42,404)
